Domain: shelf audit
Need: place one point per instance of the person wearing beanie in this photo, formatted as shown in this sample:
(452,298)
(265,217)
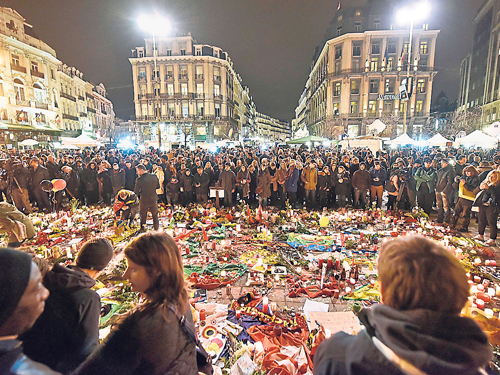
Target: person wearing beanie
(68,330)
(22,297)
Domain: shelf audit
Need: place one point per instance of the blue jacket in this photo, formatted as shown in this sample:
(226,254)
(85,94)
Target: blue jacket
(381,174)
(291,183)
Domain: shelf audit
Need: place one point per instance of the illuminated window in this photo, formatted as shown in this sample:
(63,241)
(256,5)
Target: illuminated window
(336,89)
(354,108)
(424,48)
(354,87)
(374,64)
(372,107)
(421,86)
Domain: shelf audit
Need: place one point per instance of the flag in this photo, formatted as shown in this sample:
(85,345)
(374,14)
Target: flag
(403,57)
(386,54)
(339,6)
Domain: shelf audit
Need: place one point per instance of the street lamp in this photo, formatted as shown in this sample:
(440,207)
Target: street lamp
(410,14)
(156,25)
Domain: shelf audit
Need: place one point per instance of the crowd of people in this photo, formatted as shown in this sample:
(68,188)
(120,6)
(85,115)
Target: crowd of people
(400,179)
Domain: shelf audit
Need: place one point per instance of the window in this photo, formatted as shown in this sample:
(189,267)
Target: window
(142,73)
(184,89)
(390,63)
(170,71)
(199,72)
(374,64)
(199,89)
(39,93)
(419,109)
(354,108)
(356,49)
(156,74)
(387,107)
(199,109)
(372,107)
(15,60)
(336,109)
(143,89)
(217,73)
(216,90)
(354,87)
(421,86)
(336,89)
(183,52)
(357,26)
(198,51)
(390,83)
(339,30)
(375,49)
(217,110)
(391,47)
(340,18)
(185,110)
(52,74)
(406,47)
(358,13)
(338,52)
(376,24)
(424,48)
(34,66)
(171,109)
(169,52)
(19,89)
(141,53)
(144,109)
(170,89)
(374,83)
(184,71)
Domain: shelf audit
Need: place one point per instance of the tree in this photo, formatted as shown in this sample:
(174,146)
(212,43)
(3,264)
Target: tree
(391,122)
(467,121)
(225,129)
(330,128)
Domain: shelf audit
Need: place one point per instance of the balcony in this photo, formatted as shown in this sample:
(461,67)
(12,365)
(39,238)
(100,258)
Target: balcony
(198,76)
(36,73)
(142,96)
(183,77)
(70,117)
(141,78)
(217,97)
(217,78)
(169,77)
(90,109)
(83,114)
(23,102)
(18,68)
(67,96)
(82,98)
(199,96)
(41,105)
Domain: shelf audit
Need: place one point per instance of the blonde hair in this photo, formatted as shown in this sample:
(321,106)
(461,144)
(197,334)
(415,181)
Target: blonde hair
(419,273)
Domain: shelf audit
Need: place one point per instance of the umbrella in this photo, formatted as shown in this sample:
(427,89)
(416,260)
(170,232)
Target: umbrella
(29,142)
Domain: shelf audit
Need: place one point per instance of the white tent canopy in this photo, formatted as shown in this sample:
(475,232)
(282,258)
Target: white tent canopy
(403,139)
(376,127)
(301,133)
(478,139)
(29,142)
(438,140)
(494,129)
(80,141)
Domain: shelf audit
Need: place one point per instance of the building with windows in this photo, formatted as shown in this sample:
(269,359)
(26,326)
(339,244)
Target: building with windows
(40,97)
(271,129)
(194,94)
(358,69)
(480,70)
(104,114)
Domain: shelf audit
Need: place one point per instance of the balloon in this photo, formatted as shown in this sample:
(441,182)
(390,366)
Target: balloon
(323,222)
(46,186)
(59,184)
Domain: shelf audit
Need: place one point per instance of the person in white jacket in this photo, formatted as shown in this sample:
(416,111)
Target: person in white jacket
(158,171)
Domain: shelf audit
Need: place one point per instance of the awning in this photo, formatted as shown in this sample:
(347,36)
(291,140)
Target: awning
(28,128)
(47,129)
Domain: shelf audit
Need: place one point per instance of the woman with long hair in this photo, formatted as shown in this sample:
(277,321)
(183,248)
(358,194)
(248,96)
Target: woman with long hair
(488,201)
(150,340)
(465,186)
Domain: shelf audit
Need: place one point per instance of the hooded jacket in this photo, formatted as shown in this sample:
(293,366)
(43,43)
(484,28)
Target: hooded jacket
(67,332)
(433,342)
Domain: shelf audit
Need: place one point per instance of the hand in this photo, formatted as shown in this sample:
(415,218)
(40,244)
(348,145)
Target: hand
(232,191)
(462,181)
(483,186)
(125,208)
(182,189)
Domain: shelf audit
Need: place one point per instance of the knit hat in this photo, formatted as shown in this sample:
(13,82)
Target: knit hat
(15,270)
(95,254)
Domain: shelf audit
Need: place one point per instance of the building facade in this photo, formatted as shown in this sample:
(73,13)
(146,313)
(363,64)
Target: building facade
(358,69)
(40,97)
(271,129)
(195,92)
(104,113)
(480,70)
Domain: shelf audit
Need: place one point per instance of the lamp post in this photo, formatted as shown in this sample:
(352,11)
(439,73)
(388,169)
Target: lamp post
(156,25)
(410,14)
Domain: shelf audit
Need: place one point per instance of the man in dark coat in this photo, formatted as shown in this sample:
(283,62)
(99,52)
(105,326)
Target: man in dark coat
(130,176)
(52,166)
(186,185)
(19,184)
(145,187)
(201,182)
(361,183)
(38,174)
(417,330)
(227,180)
(444,186)
(68,330)
(22,298)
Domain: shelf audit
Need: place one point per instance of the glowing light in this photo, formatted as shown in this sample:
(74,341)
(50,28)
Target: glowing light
(326,143)
(125,144)
(213,149)
(154,24)
(413,13)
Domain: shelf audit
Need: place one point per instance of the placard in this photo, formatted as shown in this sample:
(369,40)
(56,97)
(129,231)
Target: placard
(344,321)
(213,193)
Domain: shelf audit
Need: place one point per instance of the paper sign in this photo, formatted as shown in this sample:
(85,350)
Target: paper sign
(213,193)
(310,306)
(335,322)
(243,366)
(74,241)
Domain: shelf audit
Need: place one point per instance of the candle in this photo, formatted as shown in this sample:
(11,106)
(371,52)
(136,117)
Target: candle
(497,292)
(320,263)
(493,263)
(203,315)
(480,304)
(238,228)
(491,292)
(329,264)
(238,314)
(68,253)
(187,250)
(477,261)
(480,287)
(337,264)
(488,312)
(477,279)
(265,305)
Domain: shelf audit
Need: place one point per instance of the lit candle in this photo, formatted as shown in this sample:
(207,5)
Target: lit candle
(238,228)
(480,304)
(493,263)
(265,305)
(477,279)
(203,315)
(480,287)
(238,314)
(477,261)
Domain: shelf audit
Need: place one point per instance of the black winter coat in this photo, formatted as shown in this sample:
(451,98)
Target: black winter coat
(38,176)
(67,332)
(445,178)
(145,188)
(130,177)
(435,343)
(145,343)
(14,362)
(202,180)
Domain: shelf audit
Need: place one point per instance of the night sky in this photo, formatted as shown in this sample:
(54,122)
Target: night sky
(271,42)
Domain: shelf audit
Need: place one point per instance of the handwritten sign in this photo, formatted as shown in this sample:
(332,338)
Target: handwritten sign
(335,322)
